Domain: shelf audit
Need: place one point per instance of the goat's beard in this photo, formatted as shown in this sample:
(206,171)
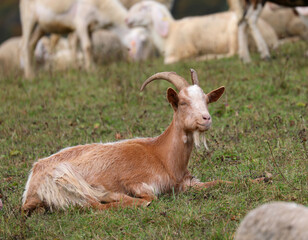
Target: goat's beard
(199,137)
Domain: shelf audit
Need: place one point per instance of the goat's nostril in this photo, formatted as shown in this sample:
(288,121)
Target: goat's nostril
(206,117)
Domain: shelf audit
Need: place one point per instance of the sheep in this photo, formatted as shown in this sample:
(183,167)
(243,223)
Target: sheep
(39,17)
(107,48)
(284,21)
(129,172)
(250,16)
(64,54)
(9,53)
(129,3)
(275,221)
(211,36)
(139,44)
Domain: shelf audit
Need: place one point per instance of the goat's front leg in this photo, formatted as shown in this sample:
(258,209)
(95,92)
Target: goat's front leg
(192,182)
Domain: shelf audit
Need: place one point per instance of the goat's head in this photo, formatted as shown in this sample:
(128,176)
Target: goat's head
(191,103)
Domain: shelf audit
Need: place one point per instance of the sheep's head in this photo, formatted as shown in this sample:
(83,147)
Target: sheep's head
(150,14)
(191,103)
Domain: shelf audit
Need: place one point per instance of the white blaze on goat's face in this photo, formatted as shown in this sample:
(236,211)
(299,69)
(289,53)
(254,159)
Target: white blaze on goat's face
(193,109)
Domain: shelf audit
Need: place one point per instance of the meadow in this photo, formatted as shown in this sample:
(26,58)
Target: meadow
(259,127)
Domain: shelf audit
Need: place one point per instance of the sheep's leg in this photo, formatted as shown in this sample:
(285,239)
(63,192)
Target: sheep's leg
(252,17)
(243,50)
(28,23)
(86,46)
(36,35)
(119,200)
(73,43)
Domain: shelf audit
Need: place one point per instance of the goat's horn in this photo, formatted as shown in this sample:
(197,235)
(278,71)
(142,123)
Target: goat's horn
(171,77)
(194,77)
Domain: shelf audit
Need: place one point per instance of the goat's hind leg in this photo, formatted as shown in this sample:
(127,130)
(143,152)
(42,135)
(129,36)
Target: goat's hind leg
(31,203)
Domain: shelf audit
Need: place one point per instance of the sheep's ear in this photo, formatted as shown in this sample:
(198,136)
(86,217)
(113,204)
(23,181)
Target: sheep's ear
(214,95)
(173,98)
(161,24)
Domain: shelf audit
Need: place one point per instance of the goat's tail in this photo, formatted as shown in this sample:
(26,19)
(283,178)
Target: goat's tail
(64,186)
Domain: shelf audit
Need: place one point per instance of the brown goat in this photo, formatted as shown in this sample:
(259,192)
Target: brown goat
(130,172)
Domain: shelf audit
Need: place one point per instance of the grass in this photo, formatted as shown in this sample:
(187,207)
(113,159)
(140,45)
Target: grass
(259,125)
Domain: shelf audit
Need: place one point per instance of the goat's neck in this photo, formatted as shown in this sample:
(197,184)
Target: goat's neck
(174,147)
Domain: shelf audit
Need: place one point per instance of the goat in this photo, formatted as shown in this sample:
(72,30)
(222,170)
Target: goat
(273,221)
(130,172)
(252,10)
(205,37)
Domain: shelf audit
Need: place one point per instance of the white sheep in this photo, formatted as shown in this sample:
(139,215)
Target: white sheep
(39,17)
(130,172)
(275,221)
(106,45)
(64,54)
(129,3)
(284,21)
(212,35)
(139,44)
(10,53)
(206,37)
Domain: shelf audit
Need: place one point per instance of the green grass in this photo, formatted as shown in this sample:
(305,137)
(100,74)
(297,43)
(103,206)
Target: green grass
(259,125)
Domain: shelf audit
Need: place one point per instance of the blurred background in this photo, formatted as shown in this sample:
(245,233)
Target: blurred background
(10,22)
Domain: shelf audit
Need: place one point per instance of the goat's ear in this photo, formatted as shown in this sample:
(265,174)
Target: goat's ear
(214,95)
(161,24)
(173,98)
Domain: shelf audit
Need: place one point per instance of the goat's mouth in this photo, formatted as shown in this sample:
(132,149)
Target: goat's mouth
(203,126)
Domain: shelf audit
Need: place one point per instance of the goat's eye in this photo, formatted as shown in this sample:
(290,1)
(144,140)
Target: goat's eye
(183,103)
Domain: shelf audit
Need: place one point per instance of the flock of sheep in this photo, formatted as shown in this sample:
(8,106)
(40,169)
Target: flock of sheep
(134,172)
(102,31)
